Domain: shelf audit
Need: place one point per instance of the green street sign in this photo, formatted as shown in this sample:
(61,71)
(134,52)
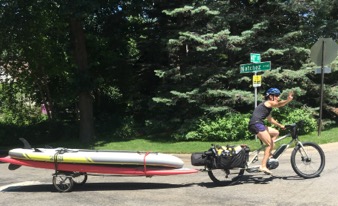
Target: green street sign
(255,58)
(255,67)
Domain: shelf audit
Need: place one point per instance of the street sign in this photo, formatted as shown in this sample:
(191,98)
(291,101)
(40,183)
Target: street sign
(255,67)
(256,80)
(326,70)
(324,51)
(255,58)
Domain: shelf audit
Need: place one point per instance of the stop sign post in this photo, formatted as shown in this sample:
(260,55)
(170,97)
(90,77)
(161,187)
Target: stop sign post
(323,52)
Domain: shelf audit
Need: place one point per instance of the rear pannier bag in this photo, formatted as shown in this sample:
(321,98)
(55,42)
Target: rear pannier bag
(223,161)
(198,159)
(232,157)
(239,159)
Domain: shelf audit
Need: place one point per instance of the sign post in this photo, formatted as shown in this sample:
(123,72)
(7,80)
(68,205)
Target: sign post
(255,66)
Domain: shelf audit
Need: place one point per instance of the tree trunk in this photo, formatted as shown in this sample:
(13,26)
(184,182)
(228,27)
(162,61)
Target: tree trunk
(85,99)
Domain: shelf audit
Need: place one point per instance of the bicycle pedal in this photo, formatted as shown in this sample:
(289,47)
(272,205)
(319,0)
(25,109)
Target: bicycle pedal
(253,169)
(255,160)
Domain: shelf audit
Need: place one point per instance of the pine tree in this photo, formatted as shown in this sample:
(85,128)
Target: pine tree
(210,39)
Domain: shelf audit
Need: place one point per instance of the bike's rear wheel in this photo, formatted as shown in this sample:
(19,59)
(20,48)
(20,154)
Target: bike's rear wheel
(308,161)
(223,177)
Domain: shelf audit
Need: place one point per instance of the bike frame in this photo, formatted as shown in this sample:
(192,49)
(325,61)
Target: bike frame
(254,157)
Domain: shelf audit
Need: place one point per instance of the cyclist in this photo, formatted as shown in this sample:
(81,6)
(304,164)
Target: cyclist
(256,125)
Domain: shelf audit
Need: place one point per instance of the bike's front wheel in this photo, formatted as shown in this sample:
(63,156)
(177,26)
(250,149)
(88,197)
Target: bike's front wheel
(223,177)
(308,160)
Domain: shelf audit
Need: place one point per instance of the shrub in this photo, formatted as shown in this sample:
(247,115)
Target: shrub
(232,127)
(287,115)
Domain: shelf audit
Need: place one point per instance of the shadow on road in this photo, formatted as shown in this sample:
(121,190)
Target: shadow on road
(246,179)
(98,187)
(295,177)
(252,179)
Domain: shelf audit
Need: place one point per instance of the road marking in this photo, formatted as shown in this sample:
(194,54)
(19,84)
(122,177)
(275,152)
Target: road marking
(18,185)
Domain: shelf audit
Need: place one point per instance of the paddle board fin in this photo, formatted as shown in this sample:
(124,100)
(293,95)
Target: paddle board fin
(13,166)
(25,143)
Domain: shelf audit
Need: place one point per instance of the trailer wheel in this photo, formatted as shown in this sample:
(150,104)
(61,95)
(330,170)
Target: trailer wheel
(63,182)
(79,178)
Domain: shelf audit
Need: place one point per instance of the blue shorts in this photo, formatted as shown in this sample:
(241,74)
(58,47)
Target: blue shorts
(256,128)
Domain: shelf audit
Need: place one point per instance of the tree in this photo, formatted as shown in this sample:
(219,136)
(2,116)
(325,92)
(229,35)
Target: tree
(78,52)
(210,39)
(31,52)
(165,64)
(85,98)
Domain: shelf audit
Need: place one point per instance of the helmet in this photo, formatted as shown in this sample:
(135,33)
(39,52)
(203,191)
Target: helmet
(272,91)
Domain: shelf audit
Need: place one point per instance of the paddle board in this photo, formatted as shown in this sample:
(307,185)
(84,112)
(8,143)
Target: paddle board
(100,169)
(63,155)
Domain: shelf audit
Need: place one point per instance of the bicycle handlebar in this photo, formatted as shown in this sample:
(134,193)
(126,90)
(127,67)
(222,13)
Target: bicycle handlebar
(290,126)
(293,128)
(299,123)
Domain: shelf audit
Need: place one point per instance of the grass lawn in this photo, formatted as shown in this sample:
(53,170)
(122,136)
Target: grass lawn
(164,146)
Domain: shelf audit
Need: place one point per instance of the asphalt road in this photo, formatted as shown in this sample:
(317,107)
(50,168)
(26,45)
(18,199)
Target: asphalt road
(29,186)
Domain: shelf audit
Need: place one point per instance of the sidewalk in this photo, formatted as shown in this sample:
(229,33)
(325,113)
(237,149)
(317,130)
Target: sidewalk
(329,146)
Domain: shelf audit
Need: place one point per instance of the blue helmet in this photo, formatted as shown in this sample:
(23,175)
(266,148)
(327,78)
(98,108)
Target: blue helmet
(272,91)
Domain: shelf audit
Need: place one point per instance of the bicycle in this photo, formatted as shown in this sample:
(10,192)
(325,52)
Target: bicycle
(307,159)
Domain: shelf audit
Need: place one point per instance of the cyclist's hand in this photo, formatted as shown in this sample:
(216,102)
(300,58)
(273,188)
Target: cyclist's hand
(282,127)
(290,96)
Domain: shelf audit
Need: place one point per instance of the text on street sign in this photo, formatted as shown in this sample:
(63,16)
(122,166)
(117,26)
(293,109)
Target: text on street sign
(255,58)
(255,67)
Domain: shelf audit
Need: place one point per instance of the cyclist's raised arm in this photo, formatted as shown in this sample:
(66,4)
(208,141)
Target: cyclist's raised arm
(282,102)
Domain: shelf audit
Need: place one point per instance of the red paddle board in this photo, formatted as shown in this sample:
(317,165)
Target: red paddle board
(100,169)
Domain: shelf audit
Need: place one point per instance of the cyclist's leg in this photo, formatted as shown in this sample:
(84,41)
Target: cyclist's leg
(265,137)
(274,133)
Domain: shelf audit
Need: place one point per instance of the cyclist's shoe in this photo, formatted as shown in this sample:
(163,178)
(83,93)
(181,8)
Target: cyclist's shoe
(265,170)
